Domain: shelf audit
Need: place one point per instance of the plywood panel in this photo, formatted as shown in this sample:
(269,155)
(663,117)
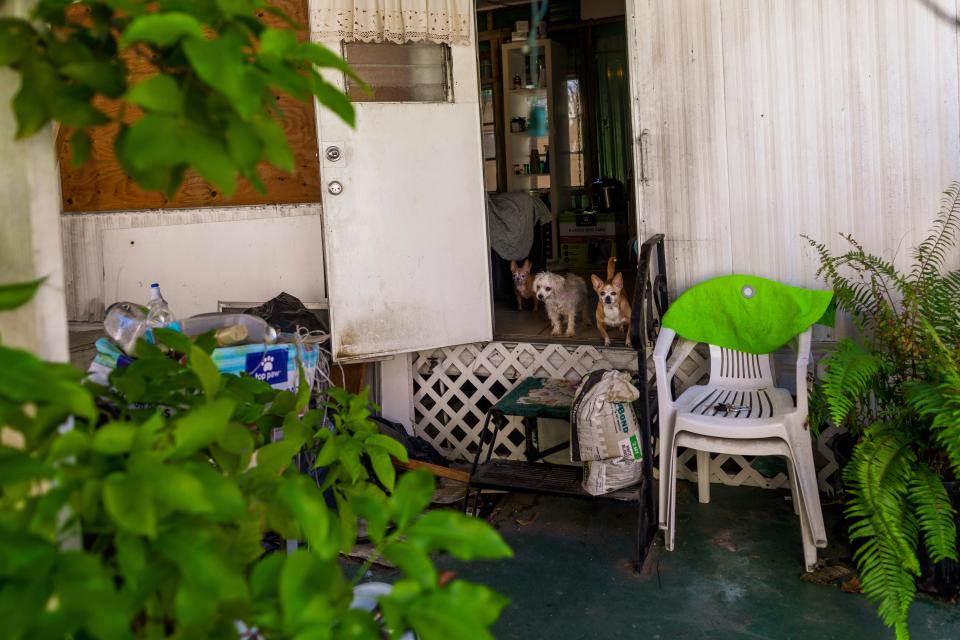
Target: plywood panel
(100,185)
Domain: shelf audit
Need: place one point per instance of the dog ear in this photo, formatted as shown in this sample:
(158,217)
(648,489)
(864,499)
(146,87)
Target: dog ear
(618,281)
(527,265)
(597,282)
(513,266)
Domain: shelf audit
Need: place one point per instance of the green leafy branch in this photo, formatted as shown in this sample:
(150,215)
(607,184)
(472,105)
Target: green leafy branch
(139,511)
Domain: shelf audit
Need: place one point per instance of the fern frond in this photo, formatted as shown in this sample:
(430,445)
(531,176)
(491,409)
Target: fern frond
(878,478)
(941,403)
(935,514)
(851,373)
(930,254)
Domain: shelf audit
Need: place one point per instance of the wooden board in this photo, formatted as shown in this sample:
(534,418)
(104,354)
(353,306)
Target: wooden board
(101,185)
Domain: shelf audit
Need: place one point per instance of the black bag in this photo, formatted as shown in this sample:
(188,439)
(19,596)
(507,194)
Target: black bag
(285,312)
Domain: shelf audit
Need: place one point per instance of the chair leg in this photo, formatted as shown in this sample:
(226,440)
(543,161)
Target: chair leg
(669,537)
(802,454)
(792,476)
(809,548)
(703,476)
(667,469)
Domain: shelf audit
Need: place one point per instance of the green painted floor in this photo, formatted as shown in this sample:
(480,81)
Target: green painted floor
(735,573)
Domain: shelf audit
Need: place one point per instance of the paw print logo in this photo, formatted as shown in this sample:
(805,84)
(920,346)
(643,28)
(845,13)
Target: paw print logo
(266,365)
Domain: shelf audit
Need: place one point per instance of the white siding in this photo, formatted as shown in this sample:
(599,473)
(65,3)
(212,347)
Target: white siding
(769,120)
(187,249)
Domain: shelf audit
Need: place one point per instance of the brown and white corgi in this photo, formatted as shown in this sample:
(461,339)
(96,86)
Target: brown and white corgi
(523,284)
(613,308)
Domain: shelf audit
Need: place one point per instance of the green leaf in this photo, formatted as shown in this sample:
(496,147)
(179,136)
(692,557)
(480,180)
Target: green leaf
(236,439)
(18,294)
(206,370)
(332,98)
(176,487)
(211,159)
(413,561)
(328,452)
(461,611)
(323,56)
(851,370)
(107,78)
(71,443)
(275,145)
(173,339)
(935,514)
(17,466)
(383,467)
(114,438)
(277,43)
(244,143)
(79,148)
(222,65)
(313,515)
(152,142)
(411,496)
(273,458)
(16,40)
(159,93)
(129,504)
(265,577)
(163,28)
(348,453)
(391,446)
(202,426)
(463,537)
(32,103)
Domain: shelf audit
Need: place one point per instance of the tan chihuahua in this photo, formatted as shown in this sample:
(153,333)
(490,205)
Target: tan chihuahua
(523,284)
(613,308)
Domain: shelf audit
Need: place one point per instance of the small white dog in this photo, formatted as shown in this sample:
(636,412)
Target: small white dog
(564,297)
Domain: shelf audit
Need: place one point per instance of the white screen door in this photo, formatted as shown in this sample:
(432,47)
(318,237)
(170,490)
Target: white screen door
(405,238)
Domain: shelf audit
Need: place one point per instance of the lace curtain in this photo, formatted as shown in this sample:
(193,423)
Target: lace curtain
(398,21)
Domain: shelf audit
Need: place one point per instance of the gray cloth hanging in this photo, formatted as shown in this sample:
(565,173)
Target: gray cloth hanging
(510,221)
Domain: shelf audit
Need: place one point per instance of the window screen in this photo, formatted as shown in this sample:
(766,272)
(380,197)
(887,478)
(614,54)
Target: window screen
(411,72)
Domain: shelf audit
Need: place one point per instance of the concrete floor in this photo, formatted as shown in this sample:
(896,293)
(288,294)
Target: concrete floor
(735,573)
(534,326)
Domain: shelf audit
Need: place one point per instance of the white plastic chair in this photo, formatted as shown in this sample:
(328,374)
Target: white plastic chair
(739,411)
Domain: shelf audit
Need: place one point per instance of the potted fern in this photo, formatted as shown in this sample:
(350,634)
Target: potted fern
(896,388)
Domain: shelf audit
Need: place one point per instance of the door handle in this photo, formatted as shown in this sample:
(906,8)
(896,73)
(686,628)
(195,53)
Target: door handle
(644,179)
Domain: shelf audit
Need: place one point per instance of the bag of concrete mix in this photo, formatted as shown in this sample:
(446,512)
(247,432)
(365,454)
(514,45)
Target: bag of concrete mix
(604,476)
(603,424)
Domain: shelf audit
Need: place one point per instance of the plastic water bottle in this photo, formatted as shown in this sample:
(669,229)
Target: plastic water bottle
(158,311)
(125,323)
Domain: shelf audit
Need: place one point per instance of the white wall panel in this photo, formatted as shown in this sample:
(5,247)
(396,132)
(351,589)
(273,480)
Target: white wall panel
(769,120)
(218,253)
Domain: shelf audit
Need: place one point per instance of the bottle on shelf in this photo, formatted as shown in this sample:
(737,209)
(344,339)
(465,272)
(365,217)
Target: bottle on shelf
(158,311)
(534,160)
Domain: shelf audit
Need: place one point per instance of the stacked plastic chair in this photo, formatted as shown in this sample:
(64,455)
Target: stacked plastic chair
(740,410)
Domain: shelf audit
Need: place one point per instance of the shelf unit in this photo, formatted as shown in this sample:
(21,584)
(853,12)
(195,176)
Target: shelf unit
(548,90)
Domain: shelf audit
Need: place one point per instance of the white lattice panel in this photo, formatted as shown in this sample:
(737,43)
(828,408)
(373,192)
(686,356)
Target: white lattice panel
(455,386)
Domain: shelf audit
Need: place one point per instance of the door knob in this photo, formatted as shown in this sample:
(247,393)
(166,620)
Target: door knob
(335,188)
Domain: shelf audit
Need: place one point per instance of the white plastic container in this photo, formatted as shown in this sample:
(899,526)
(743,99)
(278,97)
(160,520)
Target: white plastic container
(230,328)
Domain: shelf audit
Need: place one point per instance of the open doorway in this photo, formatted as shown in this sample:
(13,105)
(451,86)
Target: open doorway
(559,196)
